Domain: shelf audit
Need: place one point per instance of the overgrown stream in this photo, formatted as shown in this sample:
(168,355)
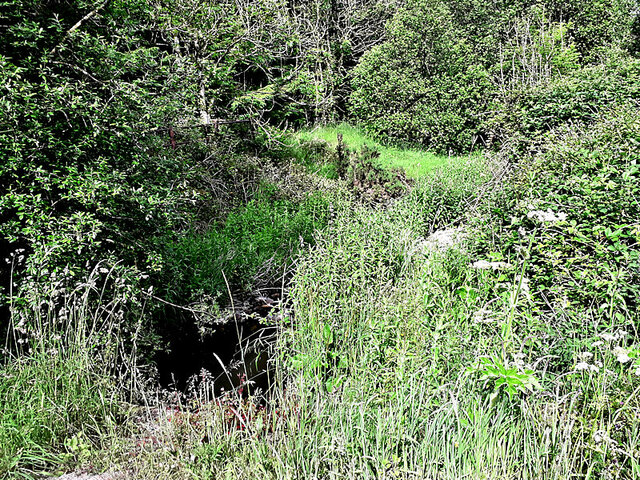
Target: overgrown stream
(230,352)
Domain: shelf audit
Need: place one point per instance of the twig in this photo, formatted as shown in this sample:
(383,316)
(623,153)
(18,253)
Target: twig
(78,24)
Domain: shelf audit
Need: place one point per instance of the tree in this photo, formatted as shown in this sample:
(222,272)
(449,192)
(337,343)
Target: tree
(84,177)
(423,85)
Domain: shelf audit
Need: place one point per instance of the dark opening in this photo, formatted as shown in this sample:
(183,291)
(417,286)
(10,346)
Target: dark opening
(228,355)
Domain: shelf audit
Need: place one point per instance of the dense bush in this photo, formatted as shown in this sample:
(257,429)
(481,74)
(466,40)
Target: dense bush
(574,212)
(87,176)
(581,96)
(445,84)
(371,181)
(422,85)
(595,27)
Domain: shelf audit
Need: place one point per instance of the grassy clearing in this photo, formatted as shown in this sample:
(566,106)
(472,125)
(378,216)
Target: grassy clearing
(416,163)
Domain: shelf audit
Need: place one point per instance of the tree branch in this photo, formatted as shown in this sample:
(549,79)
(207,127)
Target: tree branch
(78,24)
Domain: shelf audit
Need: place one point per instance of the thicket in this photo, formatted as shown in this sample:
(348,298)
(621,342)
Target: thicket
(89,93)
(511,351)
(575,199)
(451,74)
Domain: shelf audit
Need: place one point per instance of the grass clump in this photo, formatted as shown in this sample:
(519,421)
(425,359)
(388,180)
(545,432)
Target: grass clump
(51,404)
(68,364)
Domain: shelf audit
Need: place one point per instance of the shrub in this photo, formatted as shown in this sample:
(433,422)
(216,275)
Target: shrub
(373,182)
(421,86)
(576,203)
(582,97)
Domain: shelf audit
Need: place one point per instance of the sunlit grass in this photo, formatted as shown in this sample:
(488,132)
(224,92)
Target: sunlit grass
(416,163)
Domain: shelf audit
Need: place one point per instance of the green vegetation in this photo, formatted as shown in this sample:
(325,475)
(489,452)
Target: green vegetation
(240,199)
(68,370)
(256,239)
(447,80)
(416,163)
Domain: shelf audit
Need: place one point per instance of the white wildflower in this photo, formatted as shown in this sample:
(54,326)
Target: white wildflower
(518,359)
(582,366)
(597,343)
(522,231)
(547,217)
(621,355)
(481,316)
(585,356)
(484,265)
(443,239)
(637,372)
(104,270)
(608,337)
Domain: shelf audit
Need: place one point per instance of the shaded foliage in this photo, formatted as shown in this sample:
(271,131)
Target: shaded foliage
(448,70)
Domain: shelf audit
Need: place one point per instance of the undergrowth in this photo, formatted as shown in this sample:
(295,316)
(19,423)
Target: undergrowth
(253,244)
(404,357)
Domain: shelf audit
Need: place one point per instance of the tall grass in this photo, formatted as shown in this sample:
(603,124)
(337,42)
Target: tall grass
(385,346)
(59,387)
